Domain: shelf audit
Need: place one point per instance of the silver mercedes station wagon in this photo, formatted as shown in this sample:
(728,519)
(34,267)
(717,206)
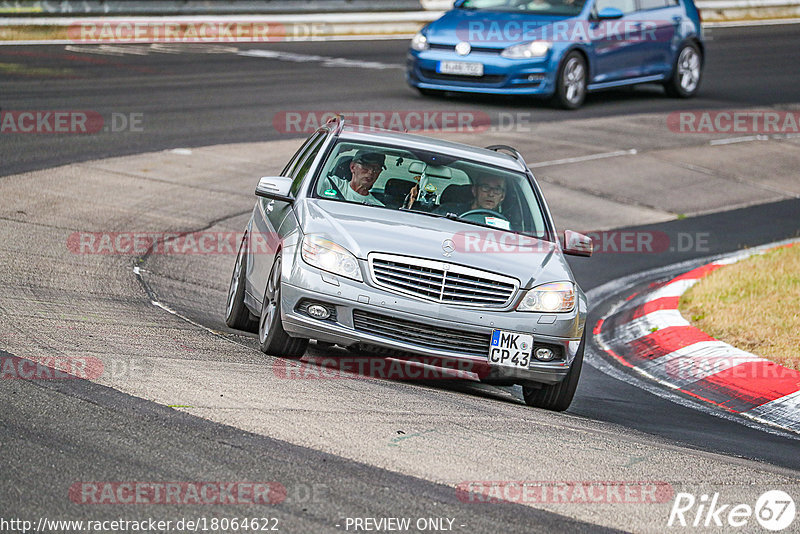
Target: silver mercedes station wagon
(417,248)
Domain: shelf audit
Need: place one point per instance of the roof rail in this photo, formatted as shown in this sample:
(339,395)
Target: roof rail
(514,152)
(339,120)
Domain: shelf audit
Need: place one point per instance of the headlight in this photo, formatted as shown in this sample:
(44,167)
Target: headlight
(419,43)
(549,298)
(329,256)
(527,50)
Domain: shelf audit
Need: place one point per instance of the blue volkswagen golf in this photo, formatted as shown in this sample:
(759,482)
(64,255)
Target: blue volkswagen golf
(560,49)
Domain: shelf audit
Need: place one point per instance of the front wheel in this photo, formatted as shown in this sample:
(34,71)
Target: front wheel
(272,338)
(571,82)
(236,313)
(557,397)
(686,73)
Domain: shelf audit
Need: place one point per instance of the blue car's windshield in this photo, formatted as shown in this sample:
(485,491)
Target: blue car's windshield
(537,7)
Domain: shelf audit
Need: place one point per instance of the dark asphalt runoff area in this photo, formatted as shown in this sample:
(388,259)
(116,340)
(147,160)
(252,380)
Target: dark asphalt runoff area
(54,433)
(198,99)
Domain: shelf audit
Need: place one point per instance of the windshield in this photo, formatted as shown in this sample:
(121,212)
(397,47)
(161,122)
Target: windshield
(541,7)
(394,178)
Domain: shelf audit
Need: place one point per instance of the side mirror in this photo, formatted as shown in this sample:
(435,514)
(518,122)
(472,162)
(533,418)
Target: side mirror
(458,3)
(576,244)
(275,188)
(610,13)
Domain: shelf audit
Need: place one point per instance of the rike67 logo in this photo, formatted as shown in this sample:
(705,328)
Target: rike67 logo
(774,510)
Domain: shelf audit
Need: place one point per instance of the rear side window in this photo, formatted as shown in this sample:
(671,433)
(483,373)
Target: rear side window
(644,5)
(626,6)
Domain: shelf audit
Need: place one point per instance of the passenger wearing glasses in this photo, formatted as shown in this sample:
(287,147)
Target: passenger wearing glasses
(488,192)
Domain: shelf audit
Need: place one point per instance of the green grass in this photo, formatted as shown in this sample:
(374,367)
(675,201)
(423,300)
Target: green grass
(753,304)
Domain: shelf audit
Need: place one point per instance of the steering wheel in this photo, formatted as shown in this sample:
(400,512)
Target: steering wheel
(485,212)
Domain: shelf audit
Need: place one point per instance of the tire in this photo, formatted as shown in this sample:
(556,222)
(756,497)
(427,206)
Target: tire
(571,82)
(236,313)
(687,72)
(272,338)
(557,397)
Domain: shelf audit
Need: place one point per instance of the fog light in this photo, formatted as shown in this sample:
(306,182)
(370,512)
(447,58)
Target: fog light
(317,311)
(544,354)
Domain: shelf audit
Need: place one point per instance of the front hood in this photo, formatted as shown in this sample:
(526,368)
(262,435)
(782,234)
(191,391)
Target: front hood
(365,229)
(490,29)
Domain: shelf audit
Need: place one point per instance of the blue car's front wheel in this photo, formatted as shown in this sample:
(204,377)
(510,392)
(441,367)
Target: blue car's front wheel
(686,73)
(571,82)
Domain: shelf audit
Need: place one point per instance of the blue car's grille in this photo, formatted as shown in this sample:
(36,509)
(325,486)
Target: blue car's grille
(475,49)
(486,78)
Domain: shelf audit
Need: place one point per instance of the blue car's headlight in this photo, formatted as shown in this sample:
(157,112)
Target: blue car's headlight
(329,256)
(419,43)
(527,50)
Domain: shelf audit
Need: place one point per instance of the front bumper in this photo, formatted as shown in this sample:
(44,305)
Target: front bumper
(501,75)
(303,283)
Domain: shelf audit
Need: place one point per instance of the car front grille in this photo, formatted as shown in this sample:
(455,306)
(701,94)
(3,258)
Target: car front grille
(441,282)
(421,334)
(475,49)
(486,78)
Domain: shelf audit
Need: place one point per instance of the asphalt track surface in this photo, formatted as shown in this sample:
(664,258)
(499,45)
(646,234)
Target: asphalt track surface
(210,98)
(55,433)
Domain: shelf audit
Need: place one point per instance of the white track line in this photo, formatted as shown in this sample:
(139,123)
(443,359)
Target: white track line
(578,159)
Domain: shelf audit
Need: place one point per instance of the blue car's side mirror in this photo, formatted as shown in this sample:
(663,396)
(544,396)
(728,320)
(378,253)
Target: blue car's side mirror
(458,3)
(610,13)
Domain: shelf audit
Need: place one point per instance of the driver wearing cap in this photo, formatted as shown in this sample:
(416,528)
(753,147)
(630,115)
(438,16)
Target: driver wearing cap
(365,167)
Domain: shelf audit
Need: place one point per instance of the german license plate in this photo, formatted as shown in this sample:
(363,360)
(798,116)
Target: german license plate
(461,68)
(510,349)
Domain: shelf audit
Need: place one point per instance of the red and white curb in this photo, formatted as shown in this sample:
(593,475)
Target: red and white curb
(647,334)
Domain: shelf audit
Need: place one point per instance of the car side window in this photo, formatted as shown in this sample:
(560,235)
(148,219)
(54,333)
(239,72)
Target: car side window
(300,171)
(626,6)
(645,5)
(298,156)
